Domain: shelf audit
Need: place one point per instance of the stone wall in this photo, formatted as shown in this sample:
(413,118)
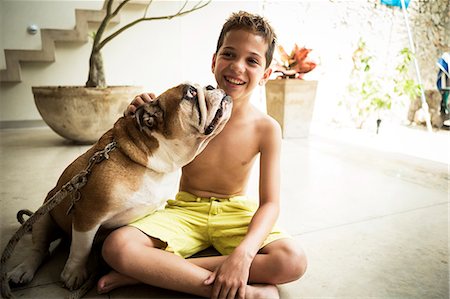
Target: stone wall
(430,23)
(332,28)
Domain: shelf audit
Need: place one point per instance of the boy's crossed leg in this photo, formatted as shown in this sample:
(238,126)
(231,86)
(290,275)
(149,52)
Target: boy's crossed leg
(138,256)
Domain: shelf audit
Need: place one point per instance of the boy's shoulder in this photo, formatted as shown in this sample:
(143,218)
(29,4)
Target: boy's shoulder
(252,132)
(265,121)
(264,125)
(252,125)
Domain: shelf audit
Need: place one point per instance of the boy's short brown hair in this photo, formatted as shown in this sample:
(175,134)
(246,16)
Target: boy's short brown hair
(254,24)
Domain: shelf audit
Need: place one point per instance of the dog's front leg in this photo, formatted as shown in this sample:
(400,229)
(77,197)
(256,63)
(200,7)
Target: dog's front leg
(44,232)
(75,271)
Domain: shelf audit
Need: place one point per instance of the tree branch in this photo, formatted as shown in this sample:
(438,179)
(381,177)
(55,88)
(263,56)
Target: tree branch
(109,6)
(102,27)
(121,5)
(131,24)
(146,8)
(181,9)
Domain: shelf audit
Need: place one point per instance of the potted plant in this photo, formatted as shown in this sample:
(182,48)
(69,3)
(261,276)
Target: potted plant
(290,98)
(83,113)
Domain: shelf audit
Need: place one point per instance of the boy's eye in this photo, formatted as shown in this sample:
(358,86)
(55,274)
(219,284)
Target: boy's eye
(253,61)
(227,54)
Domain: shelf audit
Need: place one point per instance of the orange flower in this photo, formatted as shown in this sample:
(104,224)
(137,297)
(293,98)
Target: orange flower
(296,64)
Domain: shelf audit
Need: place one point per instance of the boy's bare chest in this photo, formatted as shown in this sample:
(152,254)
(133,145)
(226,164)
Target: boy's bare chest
(224,165)
(235,147)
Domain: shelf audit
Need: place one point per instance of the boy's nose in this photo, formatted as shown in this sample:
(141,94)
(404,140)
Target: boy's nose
(237,67)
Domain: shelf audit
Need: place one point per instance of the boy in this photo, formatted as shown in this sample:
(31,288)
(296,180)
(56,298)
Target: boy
(210,208)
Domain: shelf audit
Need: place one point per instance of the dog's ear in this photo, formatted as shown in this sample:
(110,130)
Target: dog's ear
(149,116)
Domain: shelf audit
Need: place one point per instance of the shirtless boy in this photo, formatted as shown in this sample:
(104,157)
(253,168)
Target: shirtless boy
(211,208)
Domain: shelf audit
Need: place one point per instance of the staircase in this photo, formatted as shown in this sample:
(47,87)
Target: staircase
(48,38)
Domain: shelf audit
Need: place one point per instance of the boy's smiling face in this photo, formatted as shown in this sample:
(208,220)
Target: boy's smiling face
(240,63)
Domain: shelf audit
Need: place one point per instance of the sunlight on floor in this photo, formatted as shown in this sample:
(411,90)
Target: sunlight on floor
(395,138)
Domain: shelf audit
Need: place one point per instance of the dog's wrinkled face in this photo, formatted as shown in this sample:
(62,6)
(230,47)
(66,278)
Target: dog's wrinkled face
(183,119)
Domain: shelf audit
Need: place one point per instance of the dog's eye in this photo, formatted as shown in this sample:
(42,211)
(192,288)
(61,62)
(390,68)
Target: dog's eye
(209,87)
(191,93)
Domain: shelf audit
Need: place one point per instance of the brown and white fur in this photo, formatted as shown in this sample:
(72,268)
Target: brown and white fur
(160,138)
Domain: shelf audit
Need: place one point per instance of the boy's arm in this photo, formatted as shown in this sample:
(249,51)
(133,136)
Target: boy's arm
(233,273)
(269,191)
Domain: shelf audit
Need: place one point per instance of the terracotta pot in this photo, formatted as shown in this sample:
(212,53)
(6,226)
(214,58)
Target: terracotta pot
(82,114)
(291,103)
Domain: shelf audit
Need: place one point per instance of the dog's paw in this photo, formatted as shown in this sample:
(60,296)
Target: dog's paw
(73,278)
(22,274)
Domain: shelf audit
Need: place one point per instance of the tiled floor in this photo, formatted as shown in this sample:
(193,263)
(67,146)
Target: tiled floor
(374,222)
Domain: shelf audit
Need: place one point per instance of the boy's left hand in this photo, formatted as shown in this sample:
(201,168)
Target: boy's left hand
(231,277)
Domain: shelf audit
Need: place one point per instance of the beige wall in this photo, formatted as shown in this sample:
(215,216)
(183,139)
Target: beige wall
(160,54)
(156,55)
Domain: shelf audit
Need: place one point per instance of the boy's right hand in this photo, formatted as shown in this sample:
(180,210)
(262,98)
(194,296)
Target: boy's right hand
(138,101)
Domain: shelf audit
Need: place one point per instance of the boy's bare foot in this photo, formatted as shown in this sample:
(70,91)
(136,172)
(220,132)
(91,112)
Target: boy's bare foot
(261,291)
(113,280)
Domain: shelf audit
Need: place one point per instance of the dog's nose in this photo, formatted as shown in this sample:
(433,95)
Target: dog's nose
(209,87)
(227,99)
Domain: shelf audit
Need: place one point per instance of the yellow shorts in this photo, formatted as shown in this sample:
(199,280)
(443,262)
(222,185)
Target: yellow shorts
(191,224)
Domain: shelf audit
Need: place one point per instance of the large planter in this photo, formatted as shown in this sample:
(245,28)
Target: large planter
(291,103)
(82,114)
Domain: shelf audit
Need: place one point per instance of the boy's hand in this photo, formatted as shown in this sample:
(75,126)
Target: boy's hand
(139,101)
(230,279)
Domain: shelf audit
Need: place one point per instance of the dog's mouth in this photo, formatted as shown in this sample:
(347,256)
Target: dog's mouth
(219,113)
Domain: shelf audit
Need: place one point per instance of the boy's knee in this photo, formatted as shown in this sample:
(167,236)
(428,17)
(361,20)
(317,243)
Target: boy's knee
(299,263)
(117,246)
(292,263)
(111,245)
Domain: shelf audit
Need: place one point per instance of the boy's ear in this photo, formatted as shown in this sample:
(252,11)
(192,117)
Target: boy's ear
(213,63)
(266,76)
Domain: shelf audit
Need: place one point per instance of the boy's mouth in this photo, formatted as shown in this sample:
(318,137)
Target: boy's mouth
(234,81)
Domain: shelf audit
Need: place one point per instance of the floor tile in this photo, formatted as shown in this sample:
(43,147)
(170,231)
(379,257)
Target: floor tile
(373,222)
(396,256)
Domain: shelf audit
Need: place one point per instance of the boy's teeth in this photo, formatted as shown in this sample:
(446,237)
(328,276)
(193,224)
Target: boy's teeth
(235,81)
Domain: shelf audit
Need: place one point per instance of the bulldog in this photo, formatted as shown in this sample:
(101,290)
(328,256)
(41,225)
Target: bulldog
(160,138)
